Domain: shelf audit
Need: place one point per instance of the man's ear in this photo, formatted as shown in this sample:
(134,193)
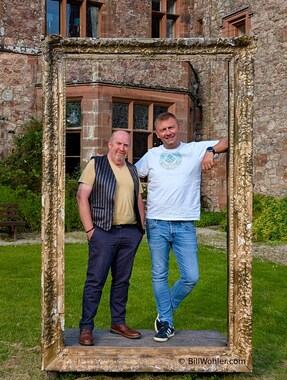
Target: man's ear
(155,134)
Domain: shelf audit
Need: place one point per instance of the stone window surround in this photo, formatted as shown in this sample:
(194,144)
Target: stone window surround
(231,23)
(96,104)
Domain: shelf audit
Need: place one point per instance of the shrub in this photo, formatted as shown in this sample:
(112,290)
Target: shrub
(7,194)
(23,167)
(21,179)
(211,218)
(30,208)
(72,221)
(269,218)
(29,205)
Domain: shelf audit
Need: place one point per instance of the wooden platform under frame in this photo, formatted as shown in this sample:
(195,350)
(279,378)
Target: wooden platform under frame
(182,338)
(187,351)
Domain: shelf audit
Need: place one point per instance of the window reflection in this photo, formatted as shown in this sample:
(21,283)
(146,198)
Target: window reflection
(92,21)
(164,18)
(156,5)
(71,16)
(170,28)
(170,6)
(53,17)
(73,20)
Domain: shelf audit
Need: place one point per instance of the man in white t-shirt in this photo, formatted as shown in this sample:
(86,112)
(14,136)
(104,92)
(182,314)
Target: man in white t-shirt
(173,204)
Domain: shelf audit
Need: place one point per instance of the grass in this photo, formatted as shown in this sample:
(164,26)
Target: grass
(205,308)
(141,311)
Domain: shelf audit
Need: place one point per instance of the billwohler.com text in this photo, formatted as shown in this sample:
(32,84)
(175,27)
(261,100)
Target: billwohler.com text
(212,361)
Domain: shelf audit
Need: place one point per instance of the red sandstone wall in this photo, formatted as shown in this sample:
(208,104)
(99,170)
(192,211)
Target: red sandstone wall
(21,30)
(17,95)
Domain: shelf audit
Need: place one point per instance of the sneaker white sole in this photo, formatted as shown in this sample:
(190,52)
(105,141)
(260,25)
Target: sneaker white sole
(163,339)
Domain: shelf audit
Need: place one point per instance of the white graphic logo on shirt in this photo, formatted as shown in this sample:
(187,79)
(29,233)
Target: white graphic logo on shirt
(170,161)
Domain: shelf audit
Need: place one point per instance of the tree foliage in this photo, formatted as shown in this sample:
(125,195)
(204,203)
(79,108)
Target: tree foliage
(22,169)
(21,179)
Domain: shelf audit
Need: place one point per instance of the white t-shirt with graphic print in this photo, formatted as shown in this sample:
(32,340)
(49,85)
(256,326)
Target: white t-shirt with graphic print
(174,177)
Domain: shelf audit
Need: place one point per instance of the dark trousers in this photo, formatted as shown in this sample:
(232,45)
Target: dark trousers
(114,249)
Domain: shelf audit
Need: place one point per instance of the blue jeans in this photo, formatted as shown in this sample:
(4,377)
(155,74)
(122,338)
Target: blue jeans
(180,236)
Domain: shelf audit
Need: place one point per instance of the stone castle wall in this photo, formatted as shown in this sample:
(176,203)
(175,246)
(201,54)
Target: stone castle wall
(269,28)
(22,28)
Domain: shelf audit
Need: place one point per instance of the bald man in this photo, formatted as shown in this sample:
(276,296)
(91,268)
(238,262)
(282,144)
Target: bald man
(112,212)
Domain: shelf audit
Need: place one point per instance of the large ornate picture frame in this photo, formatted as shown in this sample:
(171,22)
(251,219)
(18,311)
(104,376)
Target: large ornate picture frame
(234,353)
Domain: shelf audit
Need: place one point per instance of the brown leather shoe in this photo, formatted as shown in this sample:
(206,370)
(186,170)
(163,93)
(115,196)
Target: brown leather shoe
(86,337)
(125,331)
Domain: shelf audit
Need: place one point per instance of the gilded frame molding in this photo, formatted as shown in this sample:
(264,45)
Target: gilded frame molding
(236,356)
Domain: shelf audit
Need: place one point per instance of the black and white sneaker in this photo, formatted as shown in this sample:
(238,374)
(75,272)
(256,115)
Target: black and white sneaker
(165,332)
(157,324)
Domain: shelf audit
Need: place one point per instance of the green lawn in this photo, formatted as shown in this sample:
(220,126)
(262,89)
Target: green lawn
(205,308)
(197,311)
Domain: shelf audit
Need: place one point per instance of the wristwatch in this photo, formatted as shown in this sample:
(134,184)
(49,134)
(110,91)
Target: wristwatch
(210,149)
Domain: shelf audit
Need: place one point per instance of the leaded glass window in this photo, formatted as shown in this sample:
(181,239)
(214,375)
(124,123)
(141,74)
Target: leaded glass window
(158,110)
(73,115)
(120,115)
(140,117)
(138,120)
